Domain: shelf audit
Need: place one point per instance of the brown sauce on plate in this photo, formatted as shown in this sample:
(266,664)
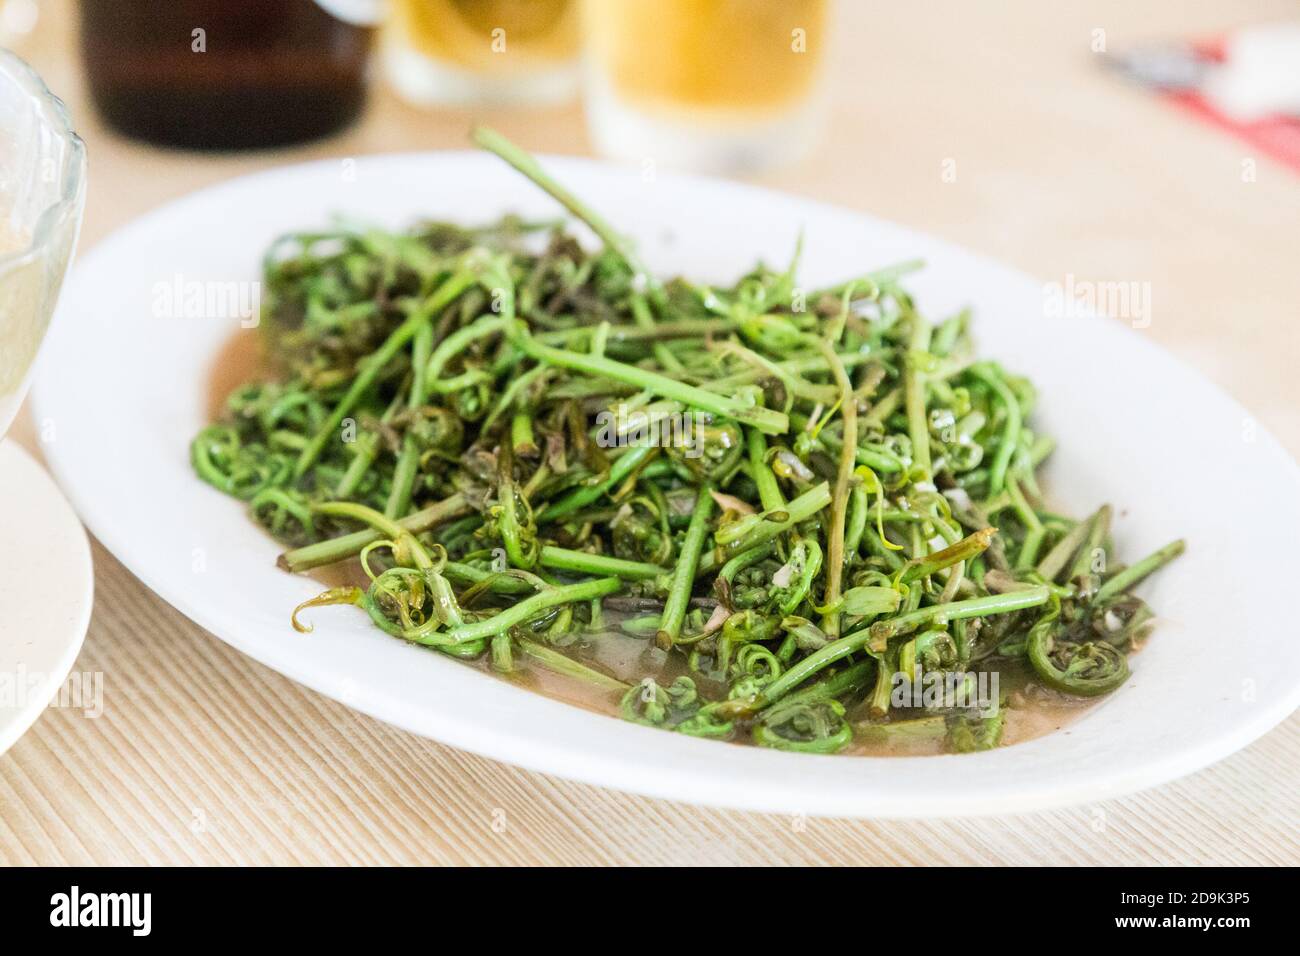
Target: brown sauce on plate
(1035,711)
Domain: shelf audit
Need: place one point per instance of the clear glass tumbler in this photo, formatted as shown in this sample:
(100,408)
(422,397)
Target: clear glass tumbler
(465,53)
(42,193)
(711,85)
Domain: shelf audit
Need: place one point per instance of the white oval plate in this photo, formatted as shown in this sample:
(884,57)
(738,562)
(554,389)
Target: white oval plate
(127,387)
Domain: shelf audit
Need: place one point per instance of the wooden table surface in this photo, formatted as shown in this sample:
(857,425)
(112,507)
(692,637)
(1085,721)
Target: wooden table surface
(203,755)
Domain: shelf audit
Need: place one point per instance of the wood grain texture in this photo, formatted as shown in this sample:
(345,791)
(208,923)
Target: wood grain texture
(203,755)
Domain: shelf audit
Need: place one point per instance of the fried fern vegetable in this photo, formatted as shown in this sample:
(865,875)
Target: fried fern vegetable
(796,504)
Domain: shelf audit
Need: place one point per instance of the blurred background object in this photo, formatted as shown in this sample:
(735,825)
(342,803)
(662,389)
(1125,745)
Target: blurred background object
(1246,82)
(1260,73)
(714,85)
(482,52)
(17,20)
(717,85)
(223,74)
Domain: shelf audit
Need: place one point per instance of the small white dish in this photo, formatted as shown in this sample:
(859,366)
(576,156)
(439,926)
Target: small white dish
(1136,428)
(46,590)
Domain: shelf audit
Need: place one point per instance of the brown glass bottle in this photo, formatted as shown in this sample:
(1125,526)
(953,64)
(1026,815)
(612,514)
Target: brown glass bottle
(223,74)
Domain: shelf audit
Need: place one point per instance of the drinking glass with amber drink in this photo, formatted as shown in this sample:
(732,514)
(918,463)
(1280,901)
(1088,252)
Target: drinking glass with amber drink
(482,52)
(717,85)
